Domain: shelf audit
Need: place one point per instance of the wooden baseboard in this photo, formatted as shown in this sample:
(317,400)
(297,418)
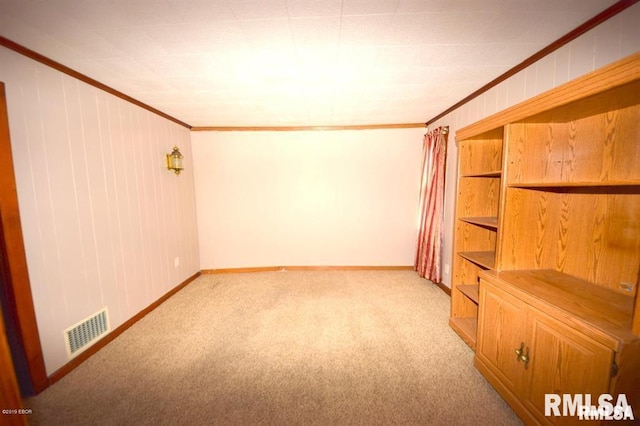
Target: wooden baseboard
(444,288)
(71,365)
(305,268)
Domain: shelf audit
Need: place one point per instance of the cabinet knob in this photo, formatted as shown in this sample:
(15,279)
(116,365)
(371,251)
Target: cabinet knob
(525,358)
(519,351)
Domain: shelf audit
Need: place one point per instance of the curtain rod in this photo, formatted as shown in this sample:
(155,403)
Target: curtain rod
(445,129)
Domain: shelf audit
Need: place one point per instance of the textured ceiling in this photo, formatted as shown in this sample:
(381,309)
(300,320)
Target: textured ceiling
(293,62)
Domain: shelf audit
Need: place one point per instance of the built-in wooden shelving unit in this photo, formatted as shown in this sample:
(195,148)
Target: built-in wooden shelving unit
(547,237)
(479,187)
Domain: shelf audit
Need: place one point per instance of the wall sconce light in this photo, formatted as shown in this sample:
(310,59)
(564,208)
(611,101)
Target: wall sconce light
(174,160)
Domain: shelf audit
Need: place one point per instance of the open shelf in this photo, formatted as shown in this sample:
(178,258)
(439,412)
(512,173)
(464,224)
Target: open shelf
(488,222)
(593,184)
(478,201)
(589,142)
(482,155)
(495,173)
(486,259)
(467,328)
(471,291)
(582,232)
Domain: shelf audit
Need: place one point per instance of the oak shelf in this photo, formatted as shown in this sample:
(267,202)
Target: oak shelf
(471,291)
(486,259)
(488,222)
(593,184)
(467,328)
(495,173)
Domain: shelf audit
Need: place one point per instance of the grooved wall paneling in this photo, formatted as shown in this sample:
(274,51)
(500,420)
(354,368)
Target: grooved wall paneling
(103,219)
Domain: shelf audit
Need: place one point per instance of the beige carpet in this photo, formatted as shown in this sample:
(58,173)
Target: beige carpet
(284,348)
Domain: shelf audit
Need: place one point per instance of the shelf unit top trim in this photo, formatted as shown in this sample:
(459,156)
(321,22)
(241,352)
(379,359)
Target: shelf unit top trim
(608,77)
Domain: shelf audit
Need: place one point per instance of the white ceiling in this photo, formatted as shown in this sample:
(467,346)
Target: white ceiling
(293,62)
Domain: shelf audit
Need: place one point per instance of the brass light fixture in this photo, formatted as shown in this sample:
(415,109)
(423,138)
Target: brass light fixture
(174,160)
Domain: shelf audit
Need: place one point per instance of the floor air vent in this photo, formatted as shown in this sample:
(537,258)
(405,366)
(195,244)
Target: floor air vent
(85,333)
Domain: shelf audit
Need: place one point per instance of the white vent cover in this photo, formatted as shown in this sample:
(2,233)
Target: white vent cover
(85,333)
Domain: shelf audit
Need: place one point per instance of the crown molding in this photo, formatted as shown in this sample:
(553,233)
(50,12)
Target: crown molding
(12,45)
(304,128)
(572,35)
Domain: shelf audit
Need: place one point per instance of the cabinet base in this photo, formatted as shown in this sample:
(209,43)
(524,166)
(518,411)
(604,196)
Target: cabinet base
(506,394)
(466,328)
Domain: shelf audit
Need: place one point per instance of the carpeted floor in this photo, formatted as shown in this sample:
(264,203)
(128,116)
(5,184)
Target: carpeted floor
(283,348)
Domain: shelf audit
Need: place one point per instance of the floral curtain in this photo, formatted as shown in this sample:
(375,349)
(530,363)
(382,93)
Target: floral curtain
(431,208)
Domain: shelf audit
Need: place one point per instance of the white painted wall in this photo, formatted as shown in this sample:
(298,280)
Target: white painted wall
(313,211)
(103,219)
(307,197)
(614,39)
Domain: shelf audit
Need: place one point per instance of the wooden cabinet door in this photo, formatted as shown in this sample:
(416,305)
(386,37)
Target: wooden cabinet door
(562,361)
(501,330)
